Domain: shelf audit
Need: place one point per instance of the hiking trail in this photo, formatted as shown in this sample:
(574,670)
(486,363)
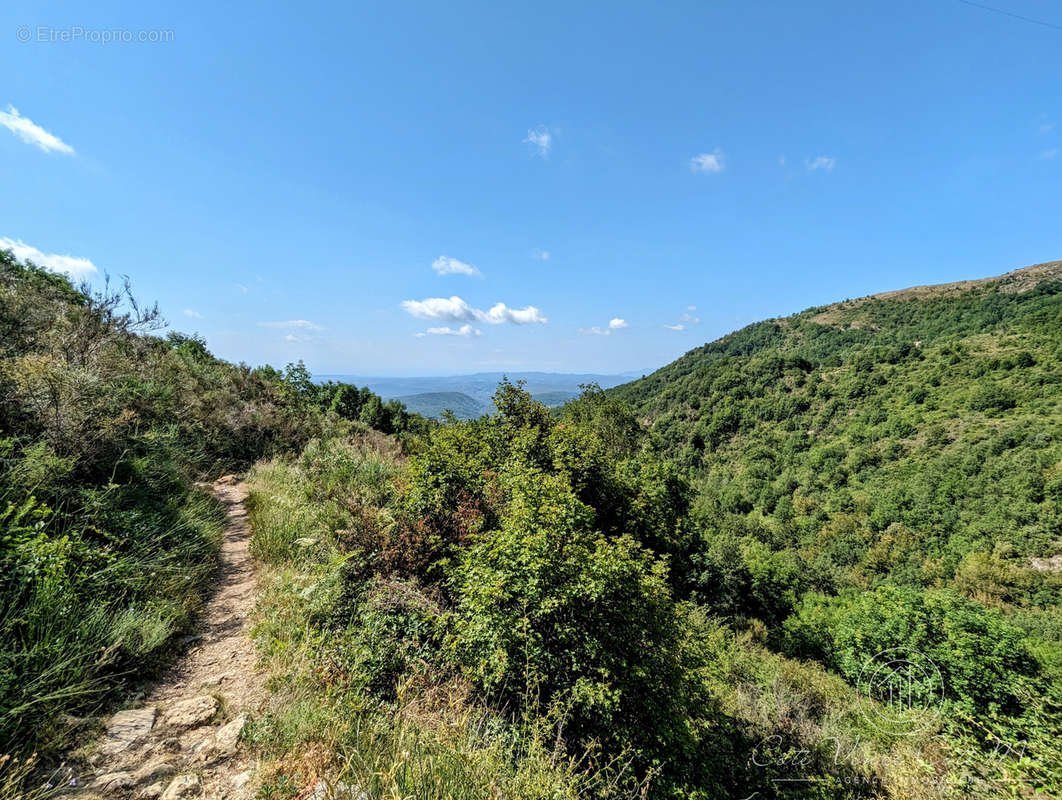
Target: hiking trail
(182,740)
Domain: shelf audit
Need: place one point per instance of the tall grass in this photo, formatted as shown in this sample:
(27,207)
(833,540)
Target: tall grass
(80,615)
(325,723)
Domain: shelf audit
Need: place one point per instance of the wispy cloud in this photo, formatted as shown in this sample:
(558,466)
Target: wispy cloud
(243,289)
(454,309)
(465,331)
(708,162)
(686,318)
(188,312)
(1050,153)
(821,162)
(614,324)
(1047,127)
(69,265)
(445,265)
(294,324)
(541,140)
(32,133)
(540,255)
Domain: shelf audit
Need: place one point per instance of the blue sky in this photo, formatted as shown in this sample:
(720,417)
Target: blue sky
(283,181)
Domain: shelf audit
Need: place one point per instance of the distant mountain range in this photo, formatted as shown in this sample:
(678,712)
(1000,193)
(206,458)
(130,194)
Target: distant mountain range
(469,396)
(433,404)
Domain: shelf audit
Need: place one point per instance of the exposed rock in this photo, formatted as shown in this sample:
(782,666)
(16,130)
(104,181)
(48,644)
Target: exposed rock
(152,791)
(127,727)
(154,771)
(171,744)
(192,712)
(205,750)
(113,782)
(242,779)
(227,738)
(1052,564)
(182,786)
(215,680)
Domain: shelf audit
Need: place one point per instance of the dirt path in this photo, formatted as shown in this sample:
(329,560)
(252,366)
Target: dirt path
(182,741)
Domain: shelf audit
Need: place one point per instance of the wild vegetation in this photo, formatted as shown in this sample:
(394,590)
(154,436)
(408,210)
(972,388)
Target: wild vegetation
(105,545)
(670,589)
(667,589)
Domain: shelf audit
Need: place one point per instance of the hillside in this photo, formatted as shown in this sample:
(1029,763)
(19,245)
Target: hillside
(667,589)
(433,404)
(106,546)
(911,437)
(688,574)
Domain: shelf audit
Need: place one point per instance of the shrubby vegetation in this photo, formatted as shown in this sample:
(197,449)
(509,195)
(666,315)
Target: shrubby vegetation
(528,577)
(671,587)
(664,590)
(104,543)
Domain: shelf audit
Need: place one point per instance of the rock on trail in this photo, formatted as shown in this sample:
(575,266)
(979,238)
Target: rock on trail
(184,740)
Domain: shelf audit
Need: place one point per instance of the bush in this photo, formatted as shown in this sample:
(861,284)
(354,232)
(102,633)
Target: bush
(984,661)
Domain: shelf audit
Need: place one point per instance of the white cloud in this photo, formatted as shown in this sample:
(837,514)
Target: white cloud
(31,133)
(499,312)
(69,265)
(614,324)
(540,255)
(454,309)
(685,319)
(464,330)
(188,312)
(1051,153)
(541,139)
(297,324)
(243,289)
(708,162)
(445,265)
(821,162)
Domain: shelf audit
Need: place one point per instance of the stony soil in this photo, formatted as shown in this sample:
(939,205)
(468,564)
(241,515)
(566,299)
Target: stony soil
(183,739)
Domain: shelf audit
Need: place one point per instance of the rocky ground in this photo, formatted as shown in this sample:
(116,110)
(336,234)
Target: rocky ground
(183,739)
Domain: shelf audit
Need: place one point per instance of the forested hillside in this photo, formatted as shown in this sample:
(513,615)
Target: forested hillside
(670,589)
(664,590)
(911,439)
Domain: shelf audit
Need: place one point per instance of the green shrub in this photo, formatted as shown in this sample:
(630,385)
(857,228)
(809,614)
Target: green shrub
(984,661)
